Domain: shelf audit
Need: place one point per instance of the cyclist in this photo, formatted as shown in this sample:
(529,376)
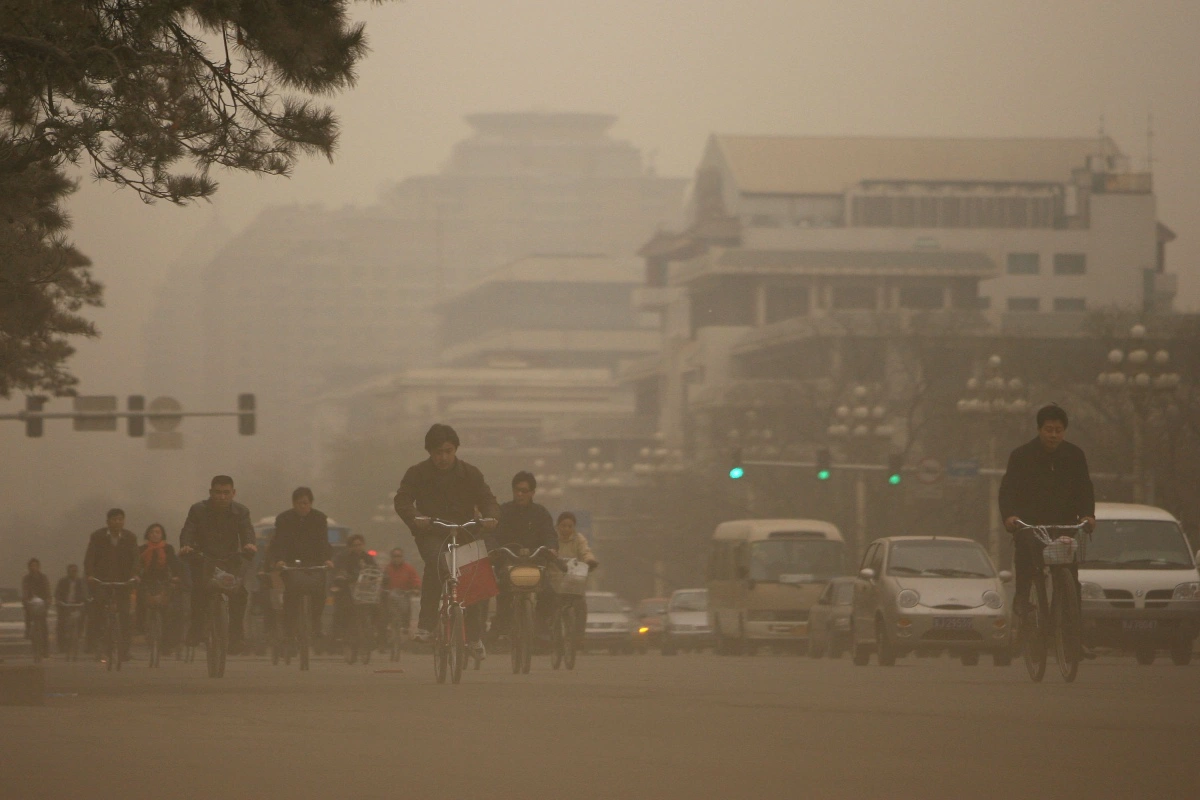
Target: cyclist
(349,564)
(573,544)
(527,525)
(218,527)
(112,557)
(71,590)
(399,576)
(301,534)
(158,566)
(35,595)
(1046,483)
(448,488)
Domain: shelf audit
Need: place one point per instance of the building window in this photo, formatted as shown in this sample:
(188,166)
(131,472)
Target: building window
(1021,304)
(922,297)
(854,298)
(1024,264)
(1070,304)
(786,302)
(1070,264)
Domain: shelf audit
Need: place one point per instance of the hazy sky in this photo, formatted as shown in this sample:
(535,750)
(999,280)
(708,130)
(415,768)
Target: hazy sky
(674,72)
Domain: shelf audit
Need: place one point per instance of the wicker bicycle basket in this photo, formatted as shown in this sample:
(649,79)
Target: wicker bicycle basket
(573,581)
(1062,550)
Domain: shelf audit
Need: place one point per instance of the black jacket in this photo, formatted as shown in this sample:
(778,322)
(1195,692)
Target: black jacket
(454,495)
(1044,488)
(217,532)
(108,562)
(62,591)
(528,526)
(304,539)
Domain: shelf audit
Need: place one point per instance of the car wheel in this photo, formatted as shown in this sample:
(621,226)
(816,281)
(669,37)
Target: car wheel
(862,652)
(1181,652)
(815,649)
(1002,658)
(970,659)
(885,650)
(1145,655)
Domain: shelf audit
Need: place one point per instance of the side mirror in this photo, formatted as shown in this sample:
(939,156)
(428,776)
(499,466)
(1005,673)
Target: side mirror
(866,573)
(1198,556)
(1005,576)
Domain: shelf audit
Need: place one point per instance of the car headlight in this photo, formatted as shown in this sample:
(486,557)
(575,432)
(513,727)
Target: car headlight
(1092,591)
(908,599)
(1186,591)
(992,599)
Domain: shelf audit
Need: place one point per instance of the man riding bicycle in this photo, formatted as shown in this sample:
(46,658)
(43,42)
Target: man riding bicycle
(527,525)
(112,557)
(447,488)
(301,535)
(219,528)
(1046,483)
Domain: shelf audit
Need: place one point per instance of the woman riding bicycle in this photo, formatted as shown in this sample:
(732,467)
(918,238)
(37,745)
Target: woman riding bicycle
(158,569)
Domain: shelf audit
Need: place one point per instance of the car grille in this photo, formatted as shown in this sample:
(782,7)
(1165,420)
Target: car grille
(1125,598)
(796,615)
(951,636)
(1158,595)
(953,607)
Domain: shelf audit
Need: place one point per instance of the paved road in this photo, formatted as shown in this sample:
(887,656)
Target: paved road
(694,726)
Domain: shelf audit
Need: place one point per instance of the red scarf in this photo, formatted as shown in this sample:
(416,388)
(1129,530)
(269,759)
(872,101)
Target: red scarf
(154,557)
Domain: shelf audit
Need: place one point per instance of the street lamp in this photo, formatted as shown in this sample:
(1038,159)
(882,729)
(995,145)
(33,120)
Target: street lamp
(861,425)
(1139,377)
(996,400)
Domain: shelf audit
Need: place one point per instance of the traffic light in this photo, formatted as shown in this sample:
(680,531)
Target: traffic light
(736,470)
(824,464)
(895,468)
(136,425)
(246,414)
(34,427)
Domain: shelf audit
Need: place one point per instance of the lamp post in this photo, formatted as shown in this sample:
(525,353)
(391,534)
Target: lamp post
(1138,377)
(996,400)
(861,426)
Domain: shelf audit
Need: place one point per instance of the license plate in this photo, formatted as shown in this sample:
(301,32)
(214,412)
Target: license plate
(1139,625)
(952,623)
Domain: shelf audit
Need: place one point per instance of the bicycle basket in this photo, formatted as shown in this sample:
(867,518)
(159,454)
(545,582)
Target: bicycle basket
(523,577)
(367,587)
(1061,551)
(224,581)
(573,581)
(304,581)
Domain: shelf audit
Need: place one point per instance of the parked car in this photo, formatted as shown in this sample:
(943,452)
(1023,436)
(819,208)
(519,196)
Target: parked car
(1141,590)
(650,614)
(609,623)
(829,621)
(931,594)
(686,627)
(12,632)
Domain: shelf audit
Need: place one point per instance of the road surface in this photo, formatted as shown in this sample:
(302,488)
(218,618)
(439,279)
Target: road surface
(693,726)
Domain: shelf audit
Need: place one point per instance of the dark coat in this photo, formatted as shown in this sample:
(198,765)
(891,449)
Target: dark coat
(528,526)
(108,562)
(62,589)
(1047,488)
(304,539)
(174,567)
(454,495)
(217,532)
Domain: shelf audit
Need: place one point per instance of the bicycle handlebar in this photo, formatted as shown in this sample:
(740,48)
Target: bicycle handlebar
(286,568)
(99,582)
(1042,532)
(461,526)
(529,557)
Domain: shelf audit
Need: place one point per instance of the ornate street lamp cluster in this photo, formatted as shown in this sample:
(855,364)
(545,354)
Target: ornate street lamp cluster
(549,485)
(862,418)
(1138,370)
(994,393)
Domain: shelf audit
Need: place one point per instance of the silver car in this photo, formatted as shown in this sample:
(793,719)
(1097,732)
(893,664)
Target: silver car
(930,594)
(829,620)
(609,623)
(686,624)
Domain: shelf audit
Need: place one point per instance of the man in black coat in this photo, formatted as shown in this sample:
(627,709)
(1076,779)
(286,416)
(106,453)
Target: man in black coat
(112,557)
(523,524)
(302,534)
(220,529)
(1046,483)
(70,589)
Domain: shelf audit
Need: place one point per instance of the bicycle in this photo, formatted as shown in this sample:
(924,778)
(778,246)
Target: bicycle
(156,599)
(399,619)
(111,647)
(71,615)
(569,587)
(221,583)
(450,635)
(525,578)
(39,634)
(364,597)
(303,580)
(1054,615)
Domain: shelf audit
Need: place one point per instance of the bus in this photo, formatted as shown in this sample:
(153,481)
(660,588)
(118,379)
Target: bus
(764,575)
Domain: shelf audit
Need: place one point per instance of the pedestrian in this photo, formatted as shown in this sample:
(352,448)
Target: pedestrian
(35,595)
(70,590)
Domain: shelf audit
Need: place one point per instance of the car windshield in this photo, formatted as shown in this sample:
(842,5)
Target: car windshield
(843,594)
(796,560)
(939,559)
(12,614)
(605,604)
(1137,544)
(690,601)
(648,608)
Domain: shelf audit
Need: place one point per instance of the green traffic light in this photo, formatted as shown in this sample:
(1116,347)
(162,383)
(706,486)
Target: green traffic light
(894,480)
(736,473)
(823,474)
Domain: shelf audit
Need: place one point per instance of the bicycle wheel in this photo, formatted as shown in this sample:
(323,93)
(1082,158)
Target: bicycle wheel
(303,632)
(458,644)
(366,642)
(1033,632)
(568,627)
(441,647)
(516,636)
(153,636)
(527,655)
(557,641)
(1066,625)
(218,635)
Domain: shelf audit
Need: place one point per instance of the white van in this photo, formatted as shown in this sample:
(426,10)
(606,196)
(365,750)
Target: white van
(1141,590)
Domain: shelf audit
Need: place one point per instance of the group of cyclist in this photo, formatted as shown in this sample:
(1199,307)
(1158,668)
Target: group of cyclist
(218,533)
